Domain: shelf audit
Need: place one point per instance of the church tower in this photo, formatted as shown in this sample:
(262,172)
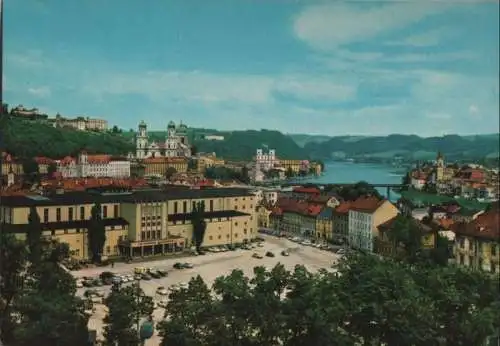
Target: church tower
(440,167)
(141,140)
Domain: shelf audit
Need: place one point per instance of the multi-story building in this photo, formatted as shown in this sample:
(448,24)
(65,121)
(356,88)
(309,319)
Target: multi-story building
(385,245)
(207,161)
(93,166)
(176,142)
(477,242)
(158,166)
(80,123)
(340,222)
(138,223)
(365,215)
(44,163)
(299,218)
(262,163)
(324,225)
(10,164)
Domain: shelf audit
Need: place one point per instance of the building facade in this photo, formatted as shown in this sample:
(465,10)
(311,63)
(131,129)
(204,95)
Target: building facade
(365,215)
(477,242)
(86,165)
(138,223)
(176,142)
(159,166)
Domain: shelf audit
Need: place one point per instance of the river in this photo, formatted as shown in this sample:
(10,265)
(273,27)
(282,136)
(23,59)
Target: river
(348,172)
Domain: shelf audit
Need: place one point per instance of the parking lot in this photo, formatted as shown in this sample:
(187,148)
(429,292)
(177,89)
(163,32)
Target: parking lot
(209,267)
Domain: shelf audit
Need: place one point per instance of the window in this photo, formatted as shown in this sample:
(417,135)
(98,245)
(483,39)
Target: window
(116,211)
(82,213)
(175,207)
(45,215)
(244,231)
(108,250)
(104,211)
(158,234)
(70,214)
(184,207)
(58,214)
(143,235)
(210,238)
(211,205)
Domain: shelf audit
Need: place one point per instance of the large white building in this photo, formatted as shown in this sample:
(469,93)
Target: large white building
(176,142)
(263,162)
(93,166)
(365,215)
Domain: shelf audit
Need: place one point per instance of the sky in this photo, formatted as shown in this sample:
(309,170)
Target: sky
(320,67)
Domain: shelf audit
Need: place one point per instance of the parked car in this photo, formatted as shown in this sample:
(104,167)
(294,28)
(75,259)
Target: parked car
(154,274)
(178,265)
(146,277)
(188,265)
(269,254)
(285,253)
(257,255)
(162,291)
(162,304)
(162,272)
(79,283)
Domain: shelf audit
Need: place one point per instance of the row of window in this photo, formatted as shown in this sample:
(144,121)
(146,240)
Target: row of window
(479,246)
(72,213)
(480,263)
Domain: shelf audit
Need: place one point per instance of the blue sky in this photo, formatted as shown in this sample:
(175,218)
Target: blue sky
(325,67)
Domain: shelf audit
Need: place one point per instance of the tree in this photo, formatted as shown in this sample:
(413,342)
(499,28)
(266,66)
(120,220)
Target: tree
(48,312)
(13,259)
(30,169)
(96,233)
(289,173)
(199,224)
(244,176)
(51,169)
(170,172)
(34,236)
(127,305)
(368,301)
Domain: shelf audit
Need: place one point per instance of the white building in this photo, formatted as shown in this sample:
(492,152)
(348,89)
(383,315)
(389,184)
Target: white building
(176,142)
(93,166)
(365,215)
(263,162)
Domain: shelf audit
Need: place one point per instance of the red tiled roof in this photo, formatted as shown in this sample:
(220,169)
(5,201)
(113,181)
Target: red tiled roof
(485,226)
(152,160)
(366,204)
(66,161)
(302,208)
(343,207)
(6,157)
(319,199)
(42,160)
(99,159)
(387,226)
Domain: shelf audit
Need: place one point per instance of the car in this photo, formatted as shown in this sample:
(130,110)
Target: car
(137,277)
(162,273)
(257,255)
(285,253)
(162,304)
(146,277)
(178,265)
(79,283)
(269,254)
(154,274)
(184,285)
(161,291)
(188,265)
(340,252)
(117,280)
(260,245)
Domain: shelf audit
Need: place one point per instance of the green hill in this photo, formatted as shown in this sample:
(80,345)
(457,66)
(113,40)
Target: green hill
(454,147)
(29,138)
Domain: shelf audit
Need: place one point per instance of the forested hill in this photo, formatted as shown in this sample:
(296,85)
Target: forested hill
(453,147)
(29,139)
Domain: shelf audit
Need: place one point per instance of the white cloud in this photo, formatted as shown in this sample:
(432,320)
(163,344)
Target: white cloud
(430,38)
(40,92)
(329,26)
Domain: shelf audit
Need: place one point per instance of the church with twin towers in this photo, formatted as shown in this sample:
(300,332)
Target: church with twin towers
(176,142)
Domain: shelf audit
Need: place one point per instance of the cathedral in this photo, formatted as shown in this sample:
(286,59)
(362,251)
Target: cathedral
(176,142)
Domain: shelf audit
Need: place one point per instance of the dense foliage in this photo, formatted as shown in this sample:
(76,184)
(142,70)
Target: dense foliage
(96,233)
(368,301)
(353,192)
(30,138)
(37,299)
(225,173)
(453,147)
(127,306)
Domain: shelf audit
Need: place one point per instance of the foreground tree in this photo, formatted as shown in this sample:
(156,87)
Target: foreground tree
(199,224)
(48,312)
(34,236)
(368,301)
(96,233)
(127,305)
(13,259)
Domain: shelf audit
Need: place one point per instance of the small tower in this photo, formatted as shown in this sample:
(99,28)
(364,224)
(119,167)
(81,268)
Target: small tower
(170,129)
(141,140)
(440,167)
